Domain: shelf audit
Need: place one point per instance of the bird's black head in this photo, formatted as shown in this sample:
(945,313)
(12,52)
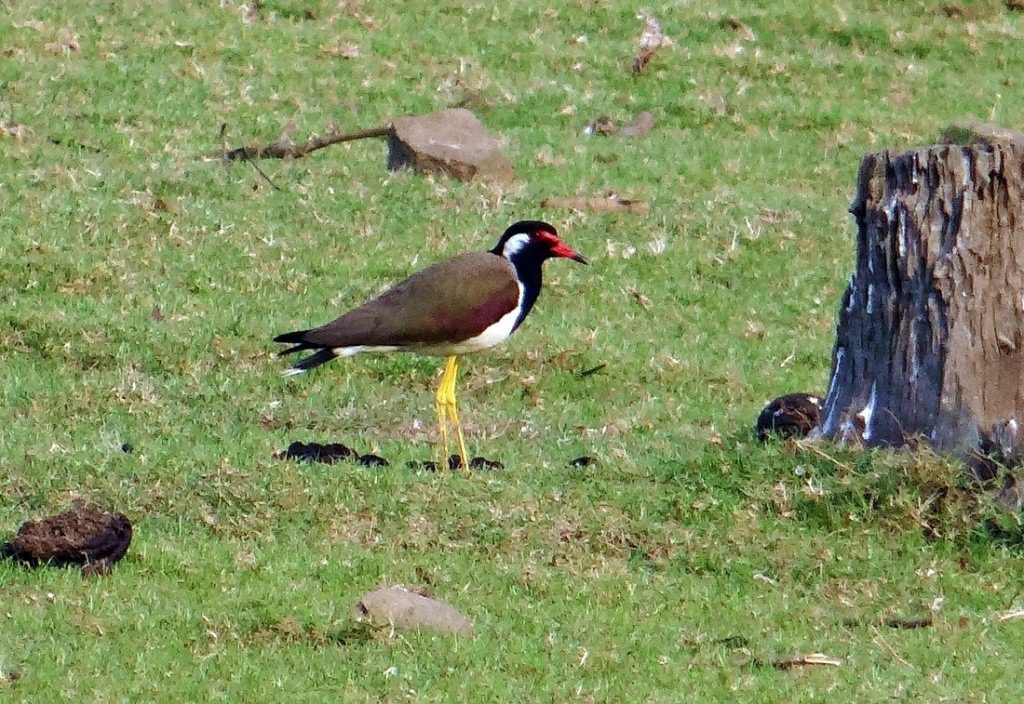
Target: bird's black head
(526,244)
(534,240)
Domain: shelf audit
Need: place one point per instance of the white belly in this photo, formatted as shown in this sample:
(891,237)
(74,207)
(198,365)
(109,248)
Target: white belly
(491,336)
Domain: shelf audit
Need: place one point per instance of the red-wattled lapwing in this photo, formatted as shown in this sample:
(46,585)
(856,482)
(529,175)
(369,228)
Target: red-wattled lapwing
(461,305)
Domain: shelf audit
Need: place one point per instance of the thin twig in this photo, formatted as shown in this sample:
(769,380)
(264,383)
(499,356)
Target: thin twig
(593,370)
(262,173)
(798,660)
(643,58)
(221,136)
(277,150)
(804,445)
(892,622)
(612,204)
(1011,615)
(909,623)
(892,651)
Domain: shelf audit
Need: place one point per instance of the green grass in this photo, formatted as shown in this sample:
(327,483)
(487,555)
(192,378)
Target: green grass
(672,571)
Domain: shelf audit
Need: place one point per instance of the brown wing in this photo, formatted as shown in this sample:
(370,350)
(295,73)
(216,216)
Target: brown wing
(448,302)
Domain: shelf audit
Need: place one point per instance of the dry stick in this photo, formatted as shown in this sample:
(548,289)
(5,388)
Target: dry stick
(593,370)
(643,58)
(892,622)
(892,651)
(222,134)
(277,150)
(799,660)
(909,623)
(1013,598)
(807,445)
(602,205)
(262,173)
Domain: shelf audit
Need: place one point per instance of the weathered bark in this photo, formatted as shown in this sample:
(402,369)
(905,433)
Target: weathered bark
(930,336)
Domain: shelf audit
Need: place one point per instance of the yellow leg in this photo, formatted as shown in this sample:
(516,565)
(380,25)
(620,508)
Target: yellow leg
(447,410)
(442,421)
(453,415)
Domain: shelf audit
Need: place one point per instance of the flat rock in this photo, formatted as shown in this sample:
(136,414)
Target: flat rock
(451,142)
(405,608)
(84,536)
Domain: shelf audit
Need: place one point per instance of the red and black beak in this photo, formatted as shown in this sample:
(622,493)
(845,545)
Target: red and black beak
(561,249)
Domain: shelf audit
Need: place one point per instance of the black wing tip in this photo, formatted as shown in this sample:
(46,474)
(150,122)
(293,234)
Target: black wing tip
(293,337)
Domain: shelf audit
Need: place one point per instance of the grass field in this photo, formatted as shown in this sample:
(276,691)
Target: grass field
(141,283)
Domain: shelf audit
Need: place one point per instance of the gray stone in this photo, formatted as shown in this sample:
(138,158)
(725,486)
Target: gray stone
(407,609)
(450,142)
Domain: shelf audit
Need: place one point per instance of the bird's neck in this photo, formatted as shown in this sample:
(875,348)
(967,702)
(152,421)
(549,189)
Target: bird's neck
(528,268)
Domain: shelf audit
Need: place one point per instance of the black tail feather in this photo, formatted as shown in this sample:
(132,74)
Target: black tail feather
(299,343)
(311,362)
(296,338)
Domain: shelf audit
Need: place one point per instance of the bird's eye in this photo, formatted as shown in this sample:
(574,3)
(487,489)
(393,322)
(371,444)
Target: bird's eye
(546,236)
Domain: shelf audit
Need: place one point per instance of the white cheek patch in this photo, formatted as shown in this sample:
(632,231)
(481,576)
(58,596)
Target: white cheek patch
(514,245)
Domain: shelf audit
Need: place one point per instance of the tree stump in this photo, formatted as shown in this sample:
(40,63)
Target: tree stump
(930,335)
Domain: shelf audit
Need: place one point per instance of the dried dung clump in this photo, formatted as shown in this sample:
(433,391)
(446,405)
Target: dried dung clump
(790,416)
(85,536)
(455,463)
(328,453)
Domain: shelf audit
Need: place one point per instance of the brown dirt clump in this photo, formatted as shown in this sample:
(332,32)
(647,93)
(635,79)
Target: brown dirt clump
(455,463)
(790,416)
(328,454)
(316,452)
(84,536)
